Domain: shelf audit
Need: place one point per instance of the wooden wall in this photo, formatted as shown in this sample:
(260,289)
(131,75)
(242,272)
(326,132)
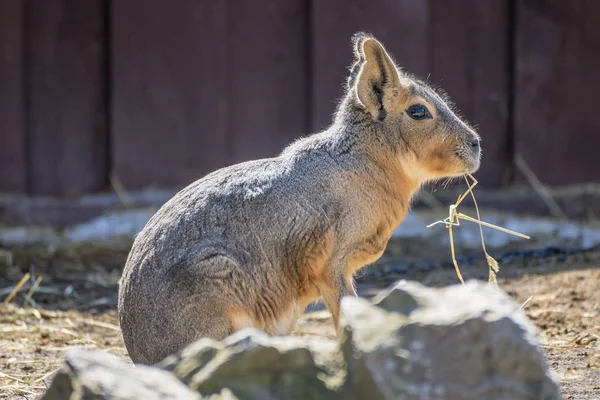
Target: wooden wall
(159,94)
(557,89)
(13,155)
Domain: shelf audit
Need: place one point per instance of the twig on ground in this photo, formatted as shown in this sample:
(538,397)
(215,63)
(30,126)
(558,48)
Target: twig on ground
(17,389)
(2,374)
(539,188)
(101,324)
(43,378)
(529,299)
(15,290)
(120,190)
(585,333)
(32,291)
(27,286)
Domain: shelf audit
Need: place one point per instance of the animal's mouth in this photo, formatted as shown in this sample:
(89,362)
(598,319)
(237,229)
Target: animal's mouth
(470,161)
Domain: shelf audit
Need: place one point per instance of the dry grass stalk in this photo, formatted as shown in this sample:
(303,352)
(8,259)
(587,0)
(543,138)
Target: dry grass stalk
(36,340)
(15,290)
(32,290)
(11,377)
(17,390)
(586,333)
(45,376)
(101,324)
(529,299)
(119,188)
(541,189)
(483,223)
(493,266)
(454,218)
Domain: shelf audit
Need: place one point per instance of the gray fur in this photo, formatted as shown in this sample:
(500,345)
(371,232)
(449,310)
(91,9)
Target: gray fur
(265,237)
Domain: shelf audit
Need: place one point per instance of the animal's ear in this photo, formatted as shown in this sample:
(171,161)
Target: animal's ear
(375,78)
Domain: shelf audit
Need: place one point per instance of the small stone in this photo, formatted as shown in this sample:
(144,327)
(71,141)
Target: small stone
(397,298)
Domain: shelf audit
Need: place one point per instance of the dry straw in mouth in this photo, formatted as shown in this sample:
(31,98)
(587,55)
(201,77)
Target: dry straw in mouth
(453,219)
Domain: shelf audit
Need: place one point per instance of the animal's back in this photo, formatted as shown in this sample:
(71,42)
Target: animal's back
(223,251)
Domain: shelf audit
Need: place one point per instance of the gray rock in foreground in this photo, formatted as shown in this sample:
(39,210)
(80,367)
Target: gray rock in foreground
(411,342)
(255,366)
(97,375)
(461,342)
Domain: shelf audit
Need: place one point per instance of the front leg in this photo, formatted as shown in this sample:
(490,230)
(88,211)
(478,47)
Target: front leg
(332,289)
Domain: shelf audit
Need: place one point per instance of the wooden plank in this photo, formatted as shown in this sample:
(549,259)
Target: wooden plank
(13,166)
(471,62)
(268,75)
(66,95)
(402,25)
(558,89)
(169,107)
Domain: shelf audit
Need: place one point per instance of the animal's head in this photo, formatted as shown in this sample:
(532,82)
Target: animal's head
(428,138)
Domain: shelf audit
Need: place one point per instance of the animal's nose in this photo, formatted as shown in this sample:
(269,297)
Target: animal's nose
(474,143)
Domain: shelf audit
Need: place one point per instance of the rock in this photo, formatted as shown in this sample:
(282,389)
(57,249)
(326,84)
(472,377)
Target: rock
(461,342)
(97,375)
(254,366)
(399,298)
(366,328)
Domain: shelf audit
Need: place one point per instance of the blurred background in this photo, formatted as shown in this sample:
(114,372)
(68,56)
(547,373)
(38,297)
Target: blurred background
(157,95)
(108,107)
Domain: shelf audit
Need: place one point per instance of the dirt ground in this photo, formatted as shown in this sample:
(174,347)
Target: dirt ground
(565,308)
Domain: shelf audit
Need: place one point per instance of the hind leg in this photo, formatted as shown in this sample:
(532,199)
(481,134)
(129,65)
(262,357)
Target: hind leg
(180,326)
(190,302)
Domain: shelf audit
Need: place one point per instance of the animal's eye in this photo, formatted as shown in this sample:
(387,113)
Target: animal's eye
(418,111)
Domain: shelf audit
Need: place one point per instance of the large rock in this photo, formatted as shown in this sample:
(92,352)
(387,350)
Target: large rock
(257,367)
(462,342)
(96,375)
